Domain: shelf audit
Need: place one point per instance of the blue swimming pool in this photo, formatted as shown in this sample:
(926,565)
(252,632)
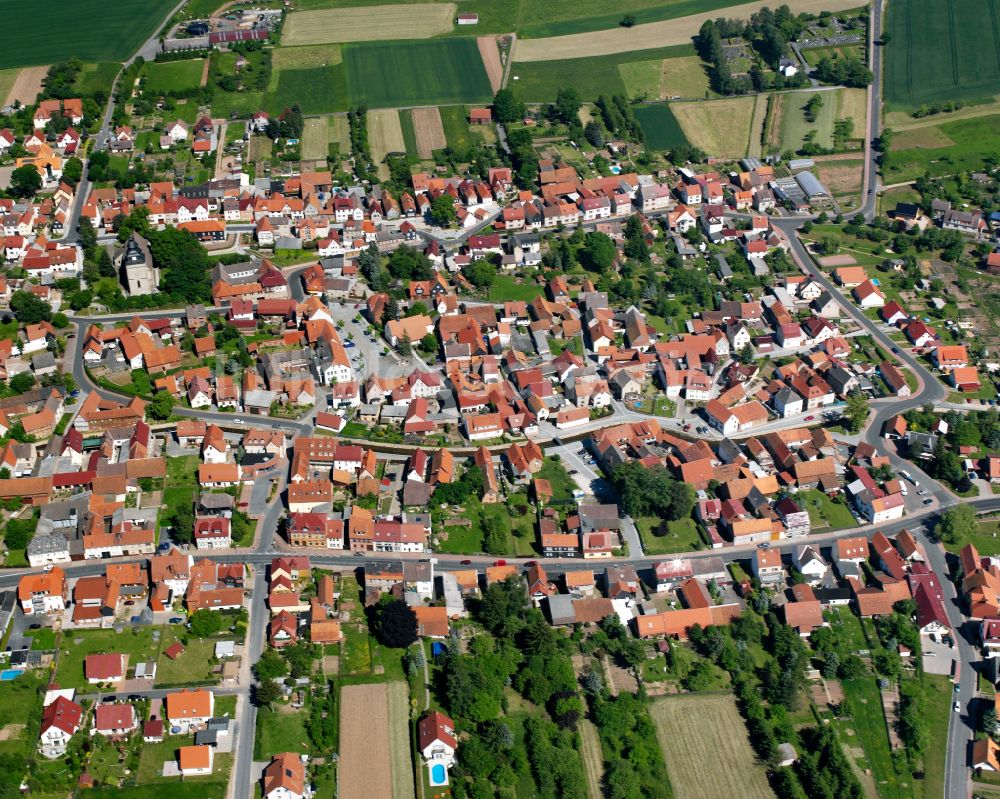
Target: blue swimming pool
(10,674)
(439,774)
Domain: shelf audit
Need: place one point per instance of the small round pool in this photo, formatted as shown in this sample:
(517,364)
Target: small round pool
(439,774)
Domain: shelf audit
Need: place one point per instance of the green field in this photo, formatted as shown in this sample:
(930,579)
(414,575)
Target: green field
(179,76)
(409,134)
(941,50)
(93,30)
(317,91)
(659,126)
(621,73)
(455,121)
(429,72)
(943,149)
(95,78)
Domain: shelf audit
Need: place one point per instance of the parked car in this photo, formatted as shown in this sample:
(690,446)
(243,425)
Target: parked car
(466,562)
(35,626)
(928,501)
(499,563)
(176,620)
(809,418)
(109,698)
(957,706)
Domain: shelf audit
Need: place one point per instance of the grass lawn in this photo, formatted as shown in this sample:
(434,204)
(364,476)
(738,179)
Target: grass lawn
(840,104)
(280,730)
(562,483)
(356,655)
(682,536)
(427,72)
(938,695)
(506,288)
(138,644)
(94,31)
(21,703)
(824,512)
(173,75)
(43,639)
(191,666)
(96,77)
(986,538)
(198,788)
(861,696)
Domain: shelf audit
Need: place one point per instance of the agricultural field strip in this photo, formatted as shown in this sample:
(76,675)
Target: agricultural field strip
(365,764)
(706,748)
(385,134)
(651,35)
(315,138)
(27,85)
(368,23)
(399,740)
(429,131)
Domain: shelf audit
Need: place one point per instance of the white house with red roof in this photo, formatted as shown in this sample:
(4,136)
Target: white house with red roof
(436,739)
(60,722)
(114,721)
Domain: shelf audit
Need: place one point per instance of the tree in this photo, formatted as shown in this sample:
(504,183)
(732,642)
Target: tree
(506,107)
(161,406)
(594,133)
(21,382)
(73,170)
(957,524)
(856,411)
(405,346)
(480,273)
(746,353)
(25,181)
(988,722)
(598,252)
(183,524)
(269,666)
(428,344)
(266,694)
(567,106)
(494,535)
(628,21)
(205,623)
(442,211)
(395,624)
(29,309)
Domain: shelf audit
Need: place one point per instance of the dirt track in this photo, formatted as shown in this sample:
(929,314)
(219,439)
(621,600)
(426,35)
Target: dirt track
(27,85)
(429,131)
(491,60)
(665,33)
